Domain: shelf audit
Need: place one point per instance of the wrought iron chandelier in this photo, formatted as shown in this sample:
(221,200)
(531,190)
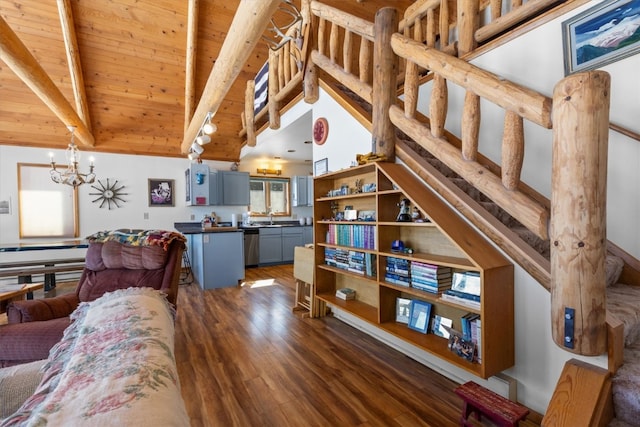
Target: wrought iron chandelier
(72,176)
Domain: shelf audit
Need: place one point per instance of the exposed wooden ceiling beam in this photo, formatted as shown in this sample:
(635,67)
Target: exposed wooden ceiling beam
(73,58)
(249,22)
(190,72)
(17,57)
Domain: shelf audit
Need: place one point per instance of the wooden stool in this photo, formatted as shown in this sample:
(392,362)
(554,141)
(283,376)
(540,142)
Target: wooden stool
(482,401)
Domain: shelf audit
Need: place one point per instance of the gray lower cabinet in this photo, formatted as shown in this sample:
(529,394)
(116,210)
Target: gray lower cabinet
(270,245)
(218,259)
(277,245)
(307,234)
(291,237)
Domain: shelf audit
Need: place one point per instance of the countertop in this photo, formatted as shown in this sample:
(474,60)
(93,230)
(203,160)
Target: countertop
(196,228)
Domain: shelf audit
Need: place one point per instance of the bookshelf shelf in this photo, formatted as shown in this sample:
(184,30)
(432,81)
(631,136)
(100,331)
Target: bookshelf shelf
(444,245)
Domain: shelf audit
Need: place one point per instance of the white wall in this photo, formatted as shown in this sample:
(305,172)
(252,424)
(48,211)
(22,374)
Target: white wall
(131,171)
(346,138)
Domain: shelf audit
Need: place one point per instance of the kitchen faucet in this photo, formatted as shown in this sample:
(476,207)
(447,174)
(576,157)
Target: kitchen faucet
(270,216)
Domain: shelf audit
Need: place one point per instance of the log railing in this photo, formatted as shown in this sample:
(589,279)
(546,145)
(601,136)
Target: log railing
(572,123)
(518,102)
(286,74)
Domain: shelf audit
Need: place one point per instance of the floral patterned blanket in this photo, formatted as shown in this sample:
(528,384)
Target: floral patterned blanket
(114,366)
(160,238)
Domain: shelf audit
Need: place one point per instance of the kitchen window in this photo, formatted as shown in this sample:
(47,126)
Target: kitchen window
(269,196)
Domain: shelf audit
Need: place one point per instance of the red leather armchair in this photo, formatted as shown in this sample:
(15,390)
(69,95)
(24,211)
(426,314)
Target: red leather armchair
(35,326)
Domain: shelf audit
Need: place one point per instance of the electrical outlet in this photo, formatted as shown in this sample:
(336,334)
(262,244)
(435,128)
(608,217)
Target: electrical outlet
(146,215)
(192,217)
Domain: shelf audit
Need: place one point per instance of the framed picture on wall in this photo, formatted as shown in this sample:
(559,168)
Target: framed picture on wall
(320,167)
(161,192)
(601,35)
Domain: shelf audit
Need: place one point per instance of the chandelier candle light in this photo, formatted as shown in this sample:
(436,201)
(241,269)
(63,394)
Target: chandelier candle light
(71,176)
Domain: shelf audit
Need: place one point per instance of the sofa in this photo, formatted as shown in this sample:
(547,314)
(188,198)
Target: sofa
(115,365)
(116,259)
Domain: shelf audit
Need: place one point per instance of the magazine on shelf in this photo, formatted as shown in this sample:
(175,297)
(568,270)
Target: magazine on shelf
(458,345)
(439,326)
(467,282)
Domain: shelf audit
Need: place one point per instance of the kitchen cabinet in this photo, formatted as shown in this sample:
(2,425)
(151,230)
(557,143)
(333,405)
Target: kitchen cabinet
(291,237)
(277,244)
(228,188)
(270,243)
(197,185)
(218,259)
(307,234)
(302,191)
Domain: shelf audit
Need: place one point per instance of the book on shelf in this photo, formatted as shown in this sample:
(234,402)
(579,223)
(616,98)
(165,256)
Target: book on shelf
(430,270)
(467,282)
(346,294)
(458,345)
(438,326)
(464,295)
(460,301)
(465,324)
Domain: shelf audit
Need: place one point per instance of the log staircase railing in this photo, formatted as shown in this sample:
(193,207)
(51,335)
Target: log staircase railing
(574,94)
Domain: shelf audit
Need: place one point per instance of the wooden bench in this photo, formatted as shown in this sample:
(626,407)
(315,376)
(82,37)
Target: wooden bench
(482,401)
(24,270)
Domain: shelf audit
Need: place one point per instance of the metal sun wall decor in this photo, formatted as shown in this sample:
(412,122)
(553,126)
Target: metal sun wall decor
(109,194)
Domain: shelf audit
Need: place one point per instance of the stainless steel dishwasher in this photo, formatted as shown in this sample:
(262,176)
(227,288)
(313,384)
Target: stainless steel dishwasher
(251,247)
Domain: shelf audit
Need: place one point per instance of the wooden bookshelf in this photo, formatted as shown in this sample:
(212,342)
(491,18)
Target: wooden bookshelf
(444,240)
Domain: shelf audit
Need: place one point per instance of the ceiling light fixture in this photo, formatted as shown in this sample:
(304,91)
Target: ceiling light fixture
(265,171)
(207,128)
(288,15)
(71,175)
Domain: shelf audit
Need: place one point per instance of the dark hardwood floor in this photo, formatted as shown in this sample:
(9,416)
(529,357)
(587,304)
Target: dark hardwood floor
(245,359)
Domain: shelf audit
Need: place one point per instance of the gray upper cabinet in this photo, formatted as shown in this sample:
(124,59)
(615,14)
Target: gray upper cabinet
(229,188)
(302,191)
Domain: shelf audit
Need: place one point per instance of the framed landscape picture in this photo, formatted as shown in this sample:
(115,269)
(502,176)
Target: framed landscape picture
(600,35)
(161,192)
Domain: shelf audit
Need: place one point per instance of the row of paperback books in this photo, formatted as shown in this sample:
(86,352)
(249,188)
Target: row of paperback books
(354,235)
(363,263)
(420,275)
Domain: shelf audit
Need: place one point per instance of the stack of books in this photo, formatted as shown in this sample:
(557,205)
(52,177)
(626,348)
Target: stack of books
(429,277)
(465,289)
(397,271)
(346,294)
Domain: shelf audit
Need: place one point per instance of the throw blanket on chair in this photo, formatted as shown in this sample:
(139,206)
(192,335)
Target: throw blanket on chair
(114,366)
(160,238)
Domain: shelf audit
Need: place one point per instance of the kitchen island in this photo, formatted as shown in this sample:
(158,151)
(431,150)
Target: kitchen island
(216,254)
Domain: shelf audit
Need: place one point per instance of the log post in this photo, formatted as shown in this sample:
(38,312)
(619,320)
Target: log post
(273,88)
(578,212)
(311,85)
(249,116)
(470,129)
(468,23)
(512,150)
(438,105)
(385,72)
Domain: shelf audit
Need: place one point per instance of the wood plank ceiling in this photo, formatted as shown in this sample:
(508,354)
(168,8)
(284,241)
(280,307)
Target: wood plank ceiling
(133,59)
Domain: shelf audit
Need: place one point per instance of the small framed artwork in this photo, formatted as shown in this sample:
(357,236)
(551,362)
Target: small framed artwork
(600,35)
(320,167)
(419,316)
(161,192)
(403,307)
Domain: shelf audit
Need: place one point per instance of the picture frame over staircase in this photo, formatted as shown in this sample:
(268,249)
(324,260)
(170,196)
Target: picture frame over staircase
(601,35)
